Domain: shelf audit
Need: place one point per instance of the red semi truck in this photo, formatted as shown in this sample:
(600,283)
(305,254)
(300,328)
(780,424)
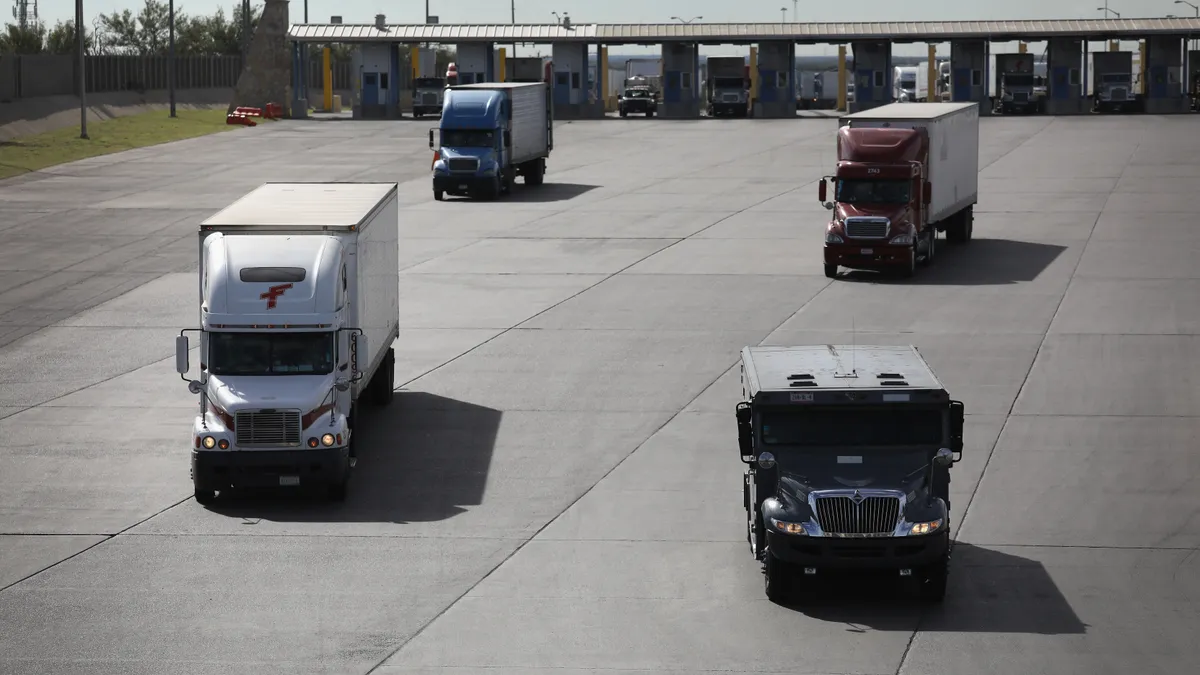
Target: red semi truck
(905,172)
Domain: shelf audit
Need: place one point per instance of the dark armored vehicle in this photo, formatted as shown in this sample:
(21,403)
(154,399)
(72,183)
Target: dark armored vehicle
(849,451)
(638,100)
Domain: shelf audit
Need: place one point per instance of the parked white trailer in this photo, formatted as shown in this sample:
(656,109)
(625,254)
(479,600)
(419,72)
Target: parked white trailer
(299,307)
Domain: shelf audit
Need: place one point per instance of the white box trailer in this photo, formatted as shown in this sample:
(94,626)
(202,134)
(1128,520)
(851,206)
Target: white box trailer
(299,308)
(952,130)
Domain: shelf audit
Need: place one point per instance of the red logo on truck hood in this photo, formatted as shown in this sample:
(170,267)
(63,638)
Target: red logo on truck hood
(273,293)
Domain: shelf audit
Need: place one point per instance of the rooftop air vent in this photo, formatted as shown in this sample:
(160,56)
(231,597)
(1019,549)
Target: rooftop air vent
(890,376)
(803,383)
(380,22)
(894,383)
(800,376)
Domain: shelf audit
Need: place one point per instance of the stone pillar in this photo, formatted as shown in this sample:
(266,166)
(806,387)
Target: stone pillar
(1163,87)
(681,86)
(1193,70)
(776,80)
(267,74)
(872,74)
(969,73)
(1064,84)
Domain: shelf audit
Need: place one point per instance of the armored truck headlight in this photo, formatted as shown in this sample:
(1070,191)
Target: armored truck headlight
(327,440)
(209,442)
(788,528)
(926,528)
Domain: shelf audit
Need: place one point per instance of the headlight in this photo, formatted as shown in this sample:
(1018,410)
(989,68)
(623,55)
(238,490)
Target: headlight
(327,440)
(903,240)
(926,528)
(209,442)
(831,238)
(789,528)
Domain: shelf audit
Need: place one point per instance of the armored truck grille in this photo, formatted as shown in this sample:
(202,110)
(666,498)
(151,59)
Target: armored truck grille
(874,516)
(463,164)
(276,427)
(428,99)
(866,229)
(729,98)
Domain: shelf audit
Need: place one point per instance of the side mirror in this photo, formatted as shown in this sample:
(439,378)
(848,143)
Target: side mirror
(927,192)
(182,366)
(431,140)
(822,189)
(357,353)
(745,416)
(944,457)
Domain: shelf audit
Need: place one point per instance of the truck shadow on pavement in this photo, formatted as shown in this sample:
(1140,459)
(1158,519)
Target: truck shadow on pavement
(423,458)
(988,592)
(531,194)
(982,262)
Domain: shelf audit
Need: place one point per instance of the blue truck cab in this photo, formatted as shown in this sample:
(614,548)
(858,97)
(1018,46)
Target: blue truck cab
(489,134)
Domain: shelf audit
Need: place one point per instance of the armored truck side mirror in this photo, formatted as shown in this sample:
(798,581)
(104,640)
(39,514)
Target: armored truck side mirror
(822,190)
(957,422)
(745,416)
(182,366)
(944,457)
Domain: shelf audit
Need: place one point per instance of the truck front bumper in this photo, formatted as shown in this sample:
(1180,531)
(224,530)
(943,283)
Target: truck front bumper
(729,108)
(639,108)
(867,256)
(214,470)
(879,554)
(462,184)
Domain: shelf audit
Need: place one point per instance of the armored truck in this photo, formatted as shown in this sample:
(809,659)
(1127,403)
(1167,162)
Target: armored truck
(848,452)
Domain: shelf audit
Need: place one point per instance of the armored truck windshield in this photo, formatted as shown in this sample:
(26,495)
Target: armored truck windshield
(852,427)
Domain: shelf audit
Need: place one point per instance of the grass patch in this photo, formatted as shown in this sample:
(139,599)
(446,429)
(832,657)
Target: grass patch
(36,152)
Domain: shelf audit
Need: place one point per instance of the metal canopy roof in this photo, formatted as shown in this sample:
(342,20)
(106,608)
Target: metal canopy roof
(652,33)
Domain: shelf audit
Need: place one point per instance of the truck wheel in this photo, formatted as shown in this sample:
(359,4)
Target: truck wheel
(203,496)
(931,250)
(438,195)
(933,580)
(650,114)
(831,271)
(535,172)
(778,579)
(384,383)
(624,113)
(968,224)
(910,268)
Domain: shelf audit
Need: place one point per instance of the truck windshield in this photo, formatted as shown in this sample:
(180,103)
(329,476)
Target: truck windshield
(429,83)
(908,83)
(862,191)
(728,82)
(636,93)
(272,353)
(1018,80)
(468,138)
(853,427)
(1117,78)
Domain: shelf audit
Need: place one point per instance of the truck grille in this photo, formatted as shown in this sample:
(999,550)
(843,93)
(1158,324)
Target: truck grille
(1120,94)
(262,427)
(866,229)
(462,164)
(429,99)
(874,516)
(729,98)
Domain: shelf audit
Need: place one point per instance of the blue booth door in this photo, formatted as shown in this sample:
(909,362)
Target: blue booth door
(1158,81)
(864,89)
(370,89)
(962,84)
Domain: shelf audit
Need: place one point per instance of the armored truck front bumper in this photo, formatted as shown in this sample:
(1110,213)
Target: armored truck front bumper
(882,553)
(638,107)
(214,470)
(868,256)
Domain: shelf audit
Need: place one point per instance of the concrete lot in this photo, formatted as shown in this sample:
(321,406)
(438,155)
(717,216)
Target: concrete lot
(556,489)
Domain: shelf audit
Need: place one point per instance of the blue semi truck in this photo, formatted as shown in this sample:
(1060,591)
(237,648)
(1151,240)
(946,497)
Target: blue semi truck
(491,133)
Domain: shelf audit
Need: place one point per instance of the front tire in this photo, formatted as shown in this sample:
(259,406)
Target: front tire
(779,580)
(384,383)
(831,271)
(204,496)
(438,195)
(933,581)
(931,249)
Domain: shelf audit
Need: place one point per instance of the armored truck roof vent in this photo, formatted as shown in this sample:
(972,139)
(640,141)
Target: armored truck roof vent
(894,383)
(890,376)
(800,376)
(803,383)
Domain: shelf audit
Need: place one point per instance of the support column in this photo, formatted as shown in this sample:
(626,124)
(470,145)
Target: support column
(969,73)
(393,82)
(843,79)
(1193,77)
(872,74)
(776,84)
(681,90)
(472,60)
(602,78)
(1163,85)
(1064,86)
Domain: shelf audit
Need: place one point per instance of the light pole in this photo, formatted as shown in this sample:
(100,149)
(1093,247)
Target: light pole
(171,56)
(1194,7)
(82,69)
(1107,11)
(783,13)
(675,18)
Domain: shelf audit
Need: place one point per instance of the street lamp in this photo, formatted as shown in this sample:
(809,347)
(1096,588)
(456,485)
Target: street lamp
(675,18)
(1106,10)
(783,12)
(1185,2)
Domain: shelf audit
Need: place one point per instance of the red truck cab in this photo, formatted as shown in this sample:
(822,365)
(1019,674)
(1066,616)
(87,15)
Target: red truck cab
(880,200)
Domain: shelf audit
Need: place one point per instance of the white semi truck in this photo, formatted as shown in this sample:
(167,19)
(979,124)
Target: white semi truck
(299,308)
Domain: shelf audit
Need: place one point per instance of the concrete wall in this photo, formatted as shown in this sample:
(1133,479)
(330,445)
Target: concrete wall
(33,76)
